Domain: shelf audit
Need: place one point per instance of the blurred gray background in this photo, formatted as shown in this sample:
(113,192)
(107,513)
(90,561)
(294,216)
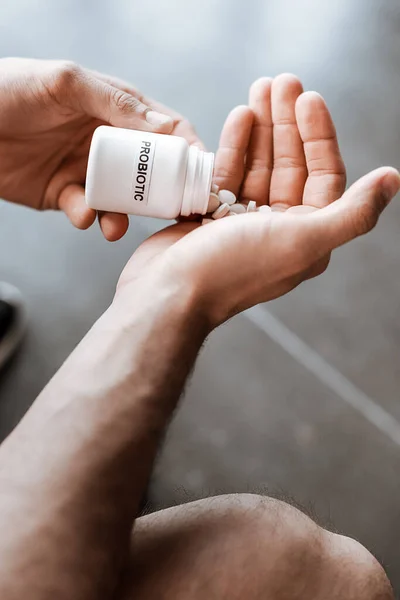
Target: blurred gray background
(300,398)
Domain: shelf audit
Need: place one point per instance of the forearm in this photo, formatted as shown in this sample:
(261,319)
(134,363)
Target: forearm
(91,438)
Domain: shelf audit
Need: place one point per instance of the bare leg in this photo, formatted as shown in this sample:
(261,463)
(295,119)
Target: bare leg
(247,547)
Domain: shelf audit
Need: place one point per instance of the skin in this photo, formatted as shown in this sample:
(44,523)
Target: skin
(73,472)
(50,110)
(287,157)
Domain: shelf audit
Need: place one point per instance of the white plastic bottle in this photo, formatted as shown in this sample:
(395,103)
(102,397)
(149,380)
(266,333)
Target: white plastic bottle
(148,174)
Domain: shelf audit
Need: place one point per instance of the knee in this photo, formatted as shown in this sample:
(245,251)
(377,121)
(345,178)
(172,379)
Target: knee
(354,571)
(292,557)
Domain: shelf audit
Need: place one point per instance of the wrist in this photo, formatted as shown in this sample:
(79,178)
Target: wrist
(171,296)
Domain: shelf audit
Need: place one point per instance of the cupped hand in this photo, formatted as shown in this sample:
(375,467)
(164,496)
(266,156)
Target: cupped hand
(282,150)
(48,113)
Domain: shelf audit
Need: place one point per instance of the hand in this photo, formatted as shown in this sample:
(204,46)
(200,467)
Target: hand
(281,151)
(48,112)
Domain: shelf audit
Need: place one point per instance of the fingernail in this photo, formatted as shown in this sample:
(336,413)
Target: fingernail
(391,184)
(157,119)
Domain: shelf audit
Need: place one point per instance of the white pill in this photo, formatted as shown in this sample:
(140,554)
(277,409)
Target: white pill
(252,206)
(205,221)
(226,197)
(265,208)
(213,202)
(222,211)
(215,188)
(232,214)
(238,208)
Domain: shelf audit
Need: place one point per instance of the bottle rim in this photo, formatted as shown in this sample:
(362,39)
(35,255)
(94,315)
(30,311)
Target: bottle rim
(199,172)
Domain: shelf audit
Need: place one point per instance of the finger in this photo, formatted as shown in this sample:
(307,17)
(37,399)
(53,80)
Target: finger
(356,213)
(233,144)
(113,225)
(185,129)
(103,101)
(326,172)
(181,125)
(72,170)
(72,201)
(289,172)
(118,83)
(259,157)
(65,192)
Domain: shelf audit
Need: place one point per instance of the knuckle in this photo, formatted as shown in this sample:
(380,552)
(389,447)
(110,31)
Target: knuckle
(125,103)
(259,165)
(289,162)
(224,172)
(367,215)
(335,173)
(62,79)
(66,73)
(365,219)
(380,203)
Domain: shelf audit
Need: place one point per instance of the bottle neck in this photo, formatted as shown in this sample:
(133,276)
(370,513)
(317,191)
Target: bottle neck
(197,188)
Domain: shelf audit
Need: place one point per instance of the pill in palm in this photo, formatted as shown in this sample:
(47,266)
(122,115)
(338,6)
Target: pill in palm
(238,208)
(226,197)
(213,202)
(221,211)
(265,208)
(252,206)
(215,188)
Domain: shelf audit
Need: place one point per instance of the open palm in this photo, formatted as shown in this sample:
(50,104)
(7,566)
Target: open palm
(281,150)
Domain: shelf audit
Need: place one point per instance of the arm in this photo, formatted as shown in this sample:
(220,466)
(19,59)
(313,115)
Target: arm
(73,473)
(74,470)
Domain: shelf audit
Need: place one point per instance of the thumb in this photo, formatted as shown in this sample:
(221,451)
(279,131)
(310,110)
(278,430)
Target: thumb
(356,212)
(112,105)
